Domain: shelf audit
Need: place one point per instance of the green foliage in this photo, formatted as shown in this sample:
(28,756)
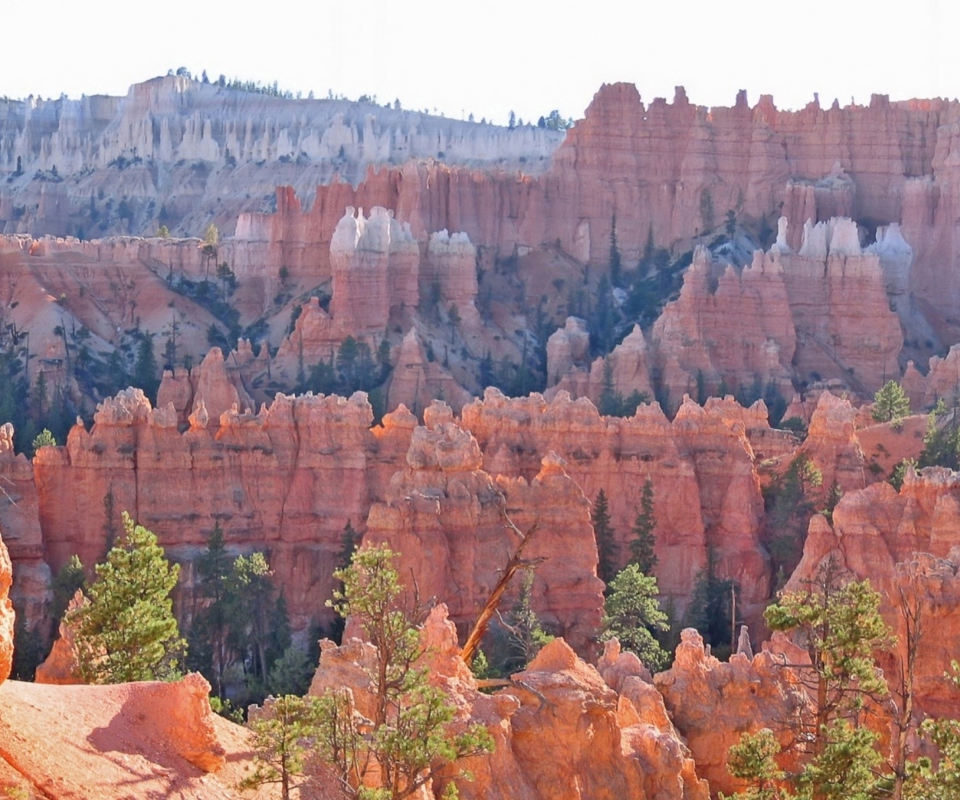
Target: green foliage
(526,630)
(28,649)
(291,673)
(64,586)
(642,544)
(939,779)
(753,759)
(44,439)
(632,614)
(839,625)
(127,631)
(604,534)
(891,404)
(711,607)
(941,444)
(898,472)
(789,504)
(145,369)
(616,262)
(554,122)
(163,232)
(283,732)
(614,404)
(409,736)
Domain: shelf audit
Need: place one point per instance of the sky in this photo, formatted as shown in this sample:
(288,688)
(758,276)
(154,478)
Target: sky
(494,56)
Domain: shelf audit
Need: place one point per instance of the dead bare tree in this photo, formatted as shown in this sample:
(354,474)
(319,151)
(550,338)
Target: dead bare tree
(515,563)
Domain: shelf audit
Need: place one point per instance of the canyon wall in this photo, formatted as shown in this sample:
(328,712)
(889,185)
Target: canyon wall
(906,543)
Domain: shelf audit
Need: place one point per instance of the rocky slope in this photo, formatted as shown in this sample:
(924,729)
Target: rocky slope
(561,731)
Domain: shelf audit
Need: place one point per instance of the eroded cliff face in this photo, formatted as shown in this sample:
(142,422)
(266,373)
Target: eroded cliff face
(172,146)
(906,544)
(572,737)
(448,520)
(713,703)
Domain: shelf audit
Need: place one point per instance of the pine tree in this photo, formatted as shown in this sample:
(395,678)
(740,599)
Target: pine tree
(145,370)
(127,631)
(839,625)
(211,624)
(603,532)
(632,614)
(282,734)
(642,545)
(891,404)
(408,736)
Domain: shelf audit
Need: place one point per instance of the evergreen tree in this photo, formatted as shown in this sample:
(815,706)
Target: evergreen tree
(603,533)
(64,586)
(526,634)
(616,263)
(711,607)
(642,545)
(282,734)
(145,370)
(211,624)
(891,404)
(408,736)
(839,625)
(127,631)
(632,614)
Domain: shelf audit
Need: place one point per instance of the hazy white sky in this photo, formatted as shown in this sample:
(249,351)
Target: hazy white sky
(496,55)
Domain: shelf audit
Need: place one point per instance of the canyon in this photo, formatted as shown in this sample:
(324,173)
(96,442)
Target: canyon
(444,335)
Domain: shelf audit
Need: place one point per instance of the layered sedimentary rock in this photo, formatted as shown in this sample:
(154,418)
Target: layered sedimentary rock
(739,332)
(286,480)
(822,312)
(902,542)
(20,528)
(219,389)
(448,519)
(713,703)
(374,264)
(571,737)
(706,491)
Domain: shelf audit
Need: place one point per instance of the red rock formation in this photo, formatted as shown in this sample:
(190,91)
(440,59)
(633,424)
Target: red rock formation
(876,533)
(211,382)
(694,341)
(706,491)
(577,739)
(629,367)
(6,614)
(444,515)
(374,265)
(833,446)
(20,527)
(135,739)
(416,380)
(62,666)
(713,703)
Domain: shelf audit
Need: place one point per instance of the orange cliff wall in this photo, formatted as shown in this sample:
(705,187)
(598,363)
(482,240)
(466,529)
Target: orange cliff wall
(287,480)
